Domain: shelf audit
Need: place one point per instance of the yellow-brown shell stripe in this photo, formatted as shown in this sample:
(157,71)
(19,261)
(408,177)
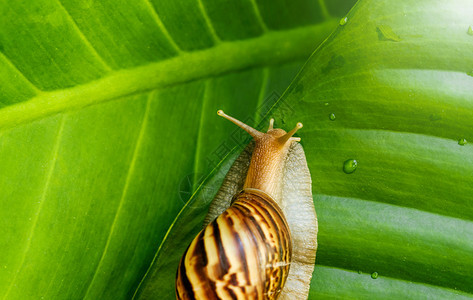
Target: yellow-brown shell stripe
(244,254)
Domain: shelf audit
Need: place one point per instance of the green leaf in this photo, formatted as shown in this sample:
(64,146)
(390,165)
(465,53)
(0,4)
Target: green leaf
(107,122)
(389,89)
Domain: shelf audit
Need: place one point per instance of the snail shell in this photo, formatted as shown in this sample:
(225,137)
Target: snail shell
(243,254)
(259,243)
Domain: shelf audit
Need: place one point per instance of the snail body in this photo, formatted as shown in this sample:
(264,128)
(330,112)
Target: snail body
(259,241)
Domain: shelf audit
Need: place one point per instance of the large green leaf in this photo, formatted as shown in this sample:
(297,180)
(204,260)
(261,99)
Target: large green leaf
(107,123)
(391,88)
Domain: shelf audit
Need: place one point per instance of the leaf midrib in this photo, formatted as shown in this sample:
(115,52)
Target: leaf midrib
(272,48)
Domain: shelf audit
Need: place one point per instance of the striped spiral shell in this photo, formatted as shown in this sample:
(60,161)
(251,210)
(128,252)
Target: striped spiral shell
(243,254)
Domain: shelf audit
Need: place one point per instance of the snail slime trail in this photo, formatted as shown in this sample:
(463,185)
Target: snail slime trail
(260,235)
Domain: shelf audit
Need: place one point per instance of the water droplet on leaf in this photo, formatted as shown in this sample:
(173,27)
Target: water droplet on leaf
(349,166)
(386,33)
(462,142)
(332,117)
(374,275)
(343,21)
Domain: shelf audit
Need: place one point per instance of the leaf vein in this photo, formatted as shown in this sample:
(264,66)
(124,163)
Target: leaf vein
(161,26)
(84,38)
(39,44)
(199,134)
(131,169)
(324,9)
(259,17)
(41,202)
(211,28)
(9,62)
(261,96)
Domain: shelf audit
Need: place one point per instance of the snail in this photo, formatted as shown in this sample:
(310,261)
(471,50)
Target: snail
(260,235)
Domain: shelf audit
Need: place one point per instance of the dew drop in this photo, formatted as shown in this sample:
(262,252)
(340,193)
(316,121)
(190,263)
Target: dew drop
(386,33)
(326,104)
(332,117)
(374,275)
(343,21)
(349,166)
(462,142)
(470,31)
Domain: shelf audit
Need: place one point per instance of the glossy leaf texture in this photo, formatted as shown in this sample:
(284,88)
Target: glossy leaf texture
(392,89)
(107,124)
